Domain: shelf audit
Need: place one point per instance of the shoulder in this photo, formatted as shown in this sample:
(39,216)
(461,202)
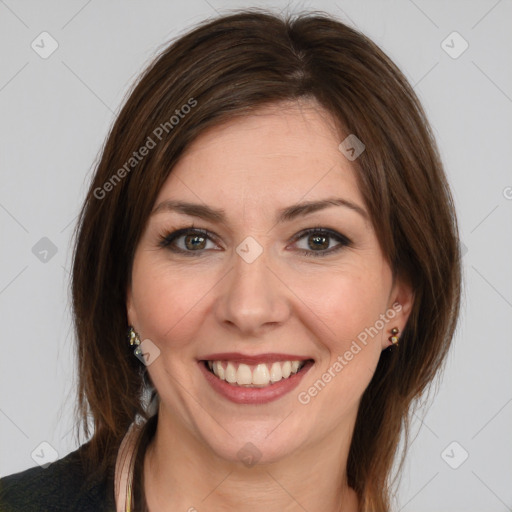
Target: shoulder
(63,485)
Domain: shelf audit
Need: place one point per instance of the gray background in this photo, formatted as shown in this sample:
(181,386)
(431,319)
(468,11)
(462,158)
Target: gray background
(56,113)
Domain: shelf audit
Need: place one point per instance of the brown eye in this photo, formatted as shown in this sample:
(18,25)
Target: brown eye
(321,242)
(194,242)
(188,241)
(318,242)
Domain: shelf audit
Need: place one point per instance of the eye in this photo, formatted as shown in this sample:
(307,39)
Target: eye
(188,241)
(319,241)
(193,241)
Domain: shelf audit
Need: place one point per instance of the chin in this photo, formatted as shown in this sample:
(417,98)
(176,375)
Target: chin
(253,442)
(250,451)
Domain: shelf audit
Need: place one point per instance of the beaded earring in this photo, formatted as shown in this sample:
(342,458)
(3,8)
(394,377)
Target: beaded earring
(394,336)
(134,339)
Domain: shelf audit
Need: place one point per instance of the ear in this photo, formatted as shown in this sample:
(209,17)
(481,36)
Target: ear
(401,301)
(130,309)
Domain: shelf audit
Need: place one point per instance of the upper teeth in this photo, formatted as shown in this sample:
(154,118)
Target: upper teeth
(259,375)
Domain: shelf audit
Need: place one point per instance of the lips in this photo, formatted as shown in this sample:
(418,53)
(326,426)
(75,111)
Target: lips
(237,357)
(254,370)
(259,375)
(254,379)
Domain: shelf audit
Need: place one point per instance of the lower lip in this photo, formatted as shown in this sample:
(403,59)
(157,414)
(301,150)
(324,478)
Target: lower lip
(243,395)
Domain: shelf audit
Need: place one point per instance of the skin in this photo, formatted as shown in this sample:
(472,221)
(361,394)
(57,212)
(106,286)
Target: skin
(284,301)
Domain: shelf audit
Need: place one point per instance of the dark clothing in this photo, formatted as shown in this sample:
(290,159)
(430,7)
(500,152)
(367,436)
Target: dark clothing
(62,486)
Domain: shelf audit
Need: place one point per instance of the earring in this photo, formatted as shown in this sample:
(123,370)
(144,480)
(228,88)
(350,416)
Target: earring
(134,339)
(394,336)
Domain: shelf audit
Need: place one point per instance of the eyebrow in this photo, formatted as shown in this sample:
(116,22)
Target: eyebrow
(284,215)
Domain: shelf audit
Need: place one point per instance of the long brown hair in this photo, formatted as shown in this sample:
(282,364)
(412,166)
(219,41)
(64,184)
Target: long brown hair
(227,67)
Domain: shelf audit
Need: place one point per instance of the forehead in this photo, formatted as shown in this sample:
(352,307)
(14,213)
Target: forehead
(276,156)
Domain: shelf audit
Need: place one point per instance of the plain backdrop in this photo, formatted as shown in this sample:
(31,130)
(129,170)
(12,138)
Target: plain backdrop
(56,112)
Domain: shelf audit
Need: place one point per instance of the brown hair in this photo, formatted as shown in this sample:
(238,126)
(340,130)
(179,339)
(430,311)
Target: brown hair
(227,67)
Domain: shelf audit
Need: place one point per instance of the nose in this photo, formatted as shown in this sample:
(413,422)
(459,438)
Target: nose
(252,298)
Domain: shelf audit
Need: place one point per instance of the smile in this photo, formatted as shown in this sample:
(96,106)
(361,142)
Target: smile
(258,375)
(244,379)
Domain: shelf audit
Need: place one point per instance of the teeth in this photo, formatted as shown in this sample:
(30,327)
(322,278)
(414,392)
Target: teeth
(276,373)
(261,375)
(243,375)
(230,374)
(218,370)
(286,369)
(254,376)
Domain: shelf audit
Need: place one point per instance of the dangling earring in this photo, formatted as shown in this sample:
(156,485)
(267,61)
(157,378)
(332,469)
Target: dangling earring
(394,336)
(134,339)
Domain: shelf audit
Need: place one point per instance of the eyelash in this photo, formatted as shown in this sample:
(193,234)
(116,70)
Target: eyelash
(167,239)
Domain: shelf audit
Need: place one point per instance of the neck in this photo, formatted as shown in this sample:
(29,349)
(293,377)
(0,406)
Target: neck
(182,473)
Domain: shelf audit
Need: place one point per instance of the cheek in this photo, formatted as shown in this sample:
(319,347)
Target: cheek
(347,303)
(334,305)
(346,313)
(351,303)
(166,302)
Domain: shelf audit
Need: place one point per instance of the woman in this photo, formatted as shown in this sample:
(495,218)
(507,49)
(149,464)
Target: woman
(271,224)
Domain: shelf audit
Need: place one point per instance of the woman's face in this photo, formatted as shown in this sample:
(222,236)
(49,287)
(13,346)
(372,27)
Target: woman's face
(259,280)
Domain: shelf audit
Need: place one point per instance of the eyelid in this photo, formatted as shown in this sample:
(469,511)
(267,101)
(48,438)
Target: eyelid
(320,229)
(167,239)
(343,241)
